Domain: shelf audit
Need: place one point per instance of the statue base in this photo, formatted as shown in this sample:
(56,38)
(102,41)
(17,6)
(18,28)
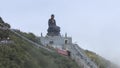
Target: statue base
(53,34)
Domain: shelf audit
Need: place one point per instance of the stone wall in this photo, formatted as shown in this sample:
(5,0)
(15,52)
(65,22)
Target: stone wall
(55,41)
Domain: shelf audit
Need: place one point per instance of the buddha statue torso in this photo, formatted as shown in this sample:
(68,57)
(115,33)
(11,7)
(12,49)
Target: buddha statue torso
(53,29)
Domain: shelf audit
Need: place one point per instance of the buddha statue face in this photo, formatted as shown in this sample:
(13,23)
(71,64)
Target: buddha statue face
(52,16)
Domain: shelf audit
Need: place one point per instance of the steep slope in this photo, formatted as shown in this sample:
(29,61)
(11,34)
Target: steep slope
(100,61)
(24,50)
(22,54)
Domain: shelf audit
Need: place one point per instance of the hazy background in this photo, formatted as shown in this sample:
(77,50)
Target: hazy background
(93,24)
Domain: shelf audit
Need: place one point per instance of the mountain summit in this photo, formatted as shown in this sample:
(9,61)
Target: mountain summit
(25,50)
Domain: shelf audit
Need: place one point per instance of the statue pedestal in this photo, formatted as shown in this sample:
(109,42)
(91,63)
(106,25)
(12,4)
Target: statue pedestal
(53,34)
(53,31)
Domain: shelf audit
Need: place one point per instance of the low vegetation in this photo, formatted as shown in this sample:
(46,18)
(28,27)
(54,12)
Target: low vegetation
(22,54)
(101,62)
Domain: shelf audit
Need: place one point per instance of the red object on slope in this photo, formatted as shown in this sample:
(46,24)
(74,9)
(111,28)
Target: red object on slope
(62,52)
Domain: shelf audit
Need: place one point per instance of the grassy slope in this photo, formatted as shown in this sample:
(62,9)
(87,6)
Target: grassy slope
(22,54)
(100,61)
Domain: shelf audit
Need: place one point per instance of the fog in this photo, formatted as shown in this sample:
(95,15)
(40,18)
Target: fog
(93,24)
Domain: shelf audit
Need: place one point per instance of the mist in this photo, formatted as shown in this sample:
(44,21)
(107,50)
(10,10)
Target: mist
(93,24)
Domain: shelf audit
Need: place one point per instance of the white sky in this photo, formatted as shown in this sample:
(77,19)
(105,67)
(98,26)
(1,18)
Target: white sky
(93,24)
